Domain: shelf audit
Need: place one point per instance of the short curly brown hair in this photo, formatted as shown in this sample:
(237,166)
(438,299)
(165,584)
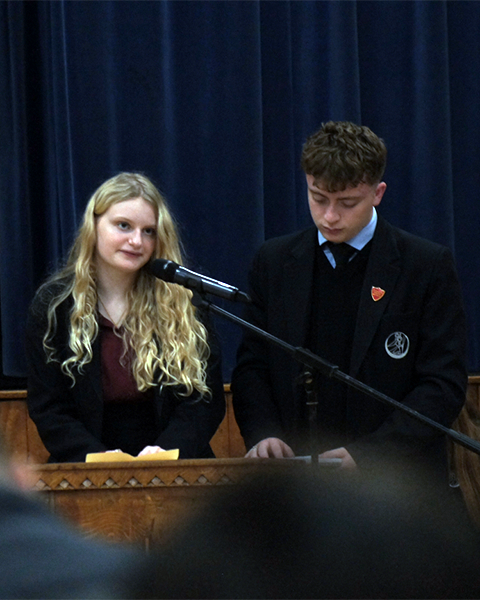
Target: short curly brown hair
(342,154)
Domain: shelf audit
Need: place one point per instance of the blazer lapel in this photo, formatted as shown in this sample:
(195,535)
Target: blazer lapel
(297,287)
(382,272)
(91,382)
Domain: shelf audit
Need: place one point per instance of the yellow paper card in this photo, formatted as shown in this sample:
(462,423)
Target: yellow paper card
(124,457)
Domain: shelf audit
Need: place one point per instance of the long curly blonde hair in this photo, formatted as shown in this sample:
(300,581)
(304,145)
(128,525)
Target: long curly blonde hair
(169,343)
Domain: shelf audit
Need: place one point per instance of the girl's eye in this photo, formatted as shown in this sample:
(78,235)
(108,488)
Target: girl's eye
(150,231)
(123,225)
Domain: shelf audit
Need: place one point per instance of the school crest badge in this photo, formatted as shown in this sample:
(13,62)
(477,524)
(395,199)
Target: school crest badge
(377,293)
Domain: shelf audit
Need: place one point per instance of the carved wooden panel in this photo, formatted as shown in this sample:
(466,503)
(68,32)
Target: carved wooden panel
(465,463)
(13,428)
(144,503)
(228,442)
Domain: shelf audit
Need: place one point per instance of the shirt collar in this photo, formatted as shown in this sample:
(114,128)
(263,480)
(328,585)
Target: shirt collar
(362,238)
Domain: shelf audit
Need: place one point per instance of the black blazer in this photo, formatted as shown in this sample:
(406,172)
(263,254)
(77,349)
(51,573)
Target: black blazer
(422,302)
(69,419)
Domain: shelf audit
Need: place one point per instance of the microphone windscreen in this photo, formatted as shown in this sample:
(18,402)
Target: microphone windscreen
(163,269)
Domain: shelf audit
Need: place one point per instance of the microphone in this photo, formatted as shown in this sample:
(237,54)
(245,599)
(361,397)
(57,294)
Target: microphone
(172,272)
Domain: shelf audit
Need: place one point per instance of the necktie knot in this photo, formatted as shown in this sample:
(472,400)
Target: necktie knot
(341,253)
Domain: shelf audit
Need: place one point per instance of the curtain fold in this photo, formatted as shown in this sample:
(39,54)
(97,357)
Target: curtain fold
(213,100)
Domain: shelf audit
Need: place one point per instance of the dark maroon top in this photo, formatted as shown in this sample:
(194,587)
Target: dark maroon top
(129,416)
(118,382)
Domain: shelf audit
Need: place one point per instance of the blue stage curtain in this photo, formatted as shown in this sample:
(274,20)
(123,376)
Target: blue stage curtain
(213,101)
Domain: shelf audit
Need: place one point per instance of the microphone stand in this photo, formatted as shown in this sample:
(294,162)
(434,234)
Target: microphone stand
(307,379)
(313,362)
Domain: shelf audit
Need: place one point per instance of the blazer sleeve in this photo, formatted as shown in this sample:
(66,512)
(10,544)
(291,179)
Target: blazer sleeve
(255,408)
(51,398)
(191,422)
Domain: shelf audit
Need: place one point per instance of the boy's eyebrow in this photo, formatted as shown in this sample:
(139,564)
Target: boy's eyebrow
(322,193)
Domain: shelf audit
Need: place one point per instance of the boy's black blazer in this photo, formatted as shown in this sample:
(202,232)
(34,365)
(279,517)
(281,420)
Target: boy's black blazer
(422,302)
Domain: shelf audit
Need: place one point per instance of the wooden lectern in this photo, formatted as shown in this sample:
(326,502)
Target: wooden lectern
(141,502)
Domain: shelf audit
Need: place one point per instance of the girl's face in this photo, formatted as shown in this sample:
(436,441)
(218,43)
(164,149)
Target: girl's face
(126,236)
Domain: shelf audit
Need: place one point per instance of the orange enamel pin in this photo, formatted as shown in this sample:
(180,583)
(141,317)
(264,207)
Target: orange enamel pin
(377,293)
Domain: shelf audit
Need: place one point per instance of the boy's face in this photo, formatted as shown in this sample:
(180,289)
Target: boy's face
(339,216)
